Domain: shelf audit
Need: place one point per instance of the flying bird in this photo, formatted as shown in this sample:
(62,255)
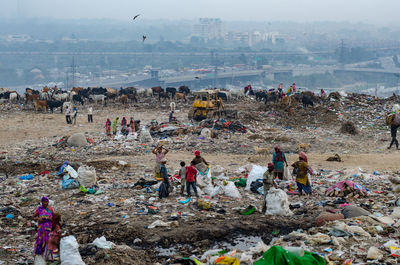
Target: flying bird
(135,17)
(144,38)
(196,77)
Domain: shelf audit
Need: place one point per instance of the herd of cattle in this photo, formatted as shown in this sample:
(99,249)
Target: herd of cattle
(51,98)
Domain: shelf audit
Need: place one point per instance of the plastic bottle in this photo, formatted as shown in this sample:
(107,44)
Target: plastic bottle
(298,251)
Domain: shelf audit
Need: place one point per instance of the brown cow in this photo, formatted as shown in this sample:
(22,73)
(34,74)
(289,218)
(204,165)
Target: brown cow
(40,104)
(132,97)
(287,100)
(77,89)
(31,98)
(157,90)
(180,96)
(124,99)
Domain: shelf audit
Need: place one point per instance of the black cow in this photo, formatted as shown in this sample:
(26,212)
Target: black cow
(99,91)
(128,91)
(273,97)
(51,104)
(171,90)
(307,101)
(184,89)
(84,93)
(261,95)
(163,95)
(222,96)
(77,98)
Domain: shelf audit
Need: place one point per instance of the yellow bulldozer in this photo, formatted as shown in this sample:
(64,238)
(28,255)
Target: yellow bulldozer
(206,105)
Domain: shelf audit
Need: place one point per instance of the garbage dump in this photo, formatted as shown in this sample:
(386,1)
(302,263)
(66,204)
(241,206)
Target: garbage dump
(107,194)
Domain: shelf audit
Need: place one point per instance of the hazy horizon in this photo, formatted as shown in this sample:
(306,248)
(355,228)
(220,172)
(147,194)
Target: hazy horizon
(365,11)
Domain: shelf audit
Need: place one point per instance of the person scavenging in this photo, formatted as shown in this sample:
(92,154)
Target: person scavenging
(44,216)
(268,182)
(279,159)
(164,187)
(302,180)
(160,153)
(191,175)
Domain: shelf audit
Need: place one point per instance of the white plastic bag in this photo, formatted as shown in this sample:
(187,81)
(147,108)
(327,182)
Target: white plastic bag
(39,260)
(277,203)
(231,190)
(71,171)
(87,176)
(256,172)
(69,251)
(287,175)
(101,242)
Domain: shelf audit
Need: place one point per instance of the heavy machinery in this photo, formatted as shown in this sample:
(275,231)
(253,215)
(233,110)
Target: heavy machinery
(206,105)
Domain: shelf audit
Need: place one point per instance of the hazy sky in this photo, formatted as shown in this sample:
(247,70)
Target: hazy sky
(369,11)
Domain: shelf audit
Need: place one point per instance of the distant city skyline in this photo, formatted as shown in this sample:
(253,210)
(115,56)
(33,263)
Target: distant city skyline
(367,11)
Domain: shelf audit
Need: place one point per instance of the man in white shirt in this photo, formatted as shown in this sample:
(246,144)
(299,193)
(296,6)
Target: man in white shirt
(90,115)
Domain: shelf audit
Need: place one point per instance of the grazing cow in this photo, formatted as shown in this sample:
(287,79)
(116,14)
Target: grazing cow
(98,98)
(44,96)
(124,99)
(40,104)
(52,104)
(261,95)
(60,96)
(163,95)
(132,97)
(76,89)
(307,101)
(184,89)
(127,91)
(99,91)
(180,96)
(111,95)
(287,100)
(30,98)
(84,93)
(14,96)
(171,90)
(271,98)
(77,98)
(157,90)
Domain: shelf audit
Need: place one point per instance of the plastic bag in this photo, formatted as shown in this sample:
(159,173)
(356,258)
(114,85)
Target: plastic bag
(231,190)
(69,251)
(87,176)
(71,171)
(103,243)
(39,260)
(256,172)
(287,175)
(277,203)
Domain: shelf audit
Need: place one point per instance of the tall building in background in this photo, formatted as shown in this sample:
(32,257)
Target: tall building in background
(209,29)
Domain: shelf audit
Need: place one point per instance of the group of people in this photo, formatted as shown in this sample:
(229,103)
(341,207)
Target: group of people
(49,230)
(188,174)
(72,113)
(126,128)
(301,170)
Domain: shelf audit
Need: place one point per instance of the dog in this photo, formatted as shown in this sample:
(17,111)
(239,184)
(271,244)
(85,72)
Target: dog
(303,147)
(262,151)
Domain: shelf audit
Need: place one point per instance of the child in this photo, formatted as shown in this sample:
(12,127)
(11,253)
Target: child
(191,175)
(55,236)
(182,173)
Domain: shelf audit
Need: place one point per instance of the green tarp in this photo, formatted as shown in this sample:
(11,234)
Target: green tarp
(279,256)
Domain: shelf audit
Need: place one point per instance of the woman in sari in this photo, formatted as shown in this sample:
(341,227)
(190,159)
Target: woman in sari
(44,215)
(279,159)
(114,125)
(108,127)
